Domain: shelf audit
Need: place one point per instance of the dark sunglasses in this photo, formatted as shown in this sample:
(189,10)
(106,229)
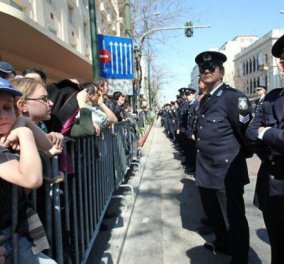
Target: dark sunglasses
(209,67)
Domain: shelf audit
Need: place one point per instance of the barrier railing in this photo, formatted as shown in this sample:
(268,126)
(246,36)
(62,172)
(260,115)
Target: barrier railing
(77,190)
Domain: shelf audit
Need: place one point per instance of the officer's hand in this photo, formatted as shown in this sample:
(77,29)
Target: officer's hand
(193,137)
(178,131)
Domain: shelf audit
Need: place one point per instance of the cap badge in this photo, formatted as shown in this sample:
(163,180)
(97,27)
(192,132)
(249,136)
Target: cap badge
(207,57)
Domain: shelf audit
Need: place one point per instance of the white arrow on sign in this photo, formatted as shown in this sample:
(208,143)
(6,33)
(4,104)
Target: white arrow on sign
(125,57)
(130,58)
(116,56)
(111,52)
(121,58)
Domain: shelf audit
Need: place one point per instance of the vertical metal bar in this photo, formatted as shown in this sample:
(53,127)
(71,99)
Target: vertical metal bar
(66,194)
(85,188)
(48,211)
(93,175)
(14,224)
(80,194)
(57,214)
(90,183)
(75,256)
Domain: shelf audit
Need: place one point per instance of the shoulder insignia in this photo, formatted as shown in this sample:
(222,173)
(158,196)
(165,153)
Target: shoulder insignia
(244,118)
(242,103)
(219,93)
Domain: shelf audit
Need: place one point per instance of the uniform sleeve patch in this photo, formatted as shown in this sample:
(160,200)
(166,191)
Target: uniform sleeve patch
(244,118)
(243,103)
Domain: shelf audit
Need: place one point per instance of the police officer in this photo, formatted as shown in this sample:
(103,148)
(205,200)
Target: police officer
(182,121)
(261,92)
(191,113)
(266,133)
(223,116)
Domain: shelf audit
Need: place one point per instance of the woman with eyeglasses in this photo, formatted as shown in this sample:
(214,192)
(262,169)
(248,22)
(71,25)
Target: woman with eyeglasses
(34,104)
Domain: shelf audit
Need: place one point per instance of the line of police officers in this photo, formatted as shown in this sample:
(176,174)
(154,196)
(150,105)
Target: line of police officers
(217,135)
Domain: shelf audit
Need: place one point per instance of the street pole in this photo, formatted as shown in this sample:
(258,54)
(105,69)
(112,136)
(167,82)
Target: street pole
(94,39)
(140,45)
(149,79)
(127,19)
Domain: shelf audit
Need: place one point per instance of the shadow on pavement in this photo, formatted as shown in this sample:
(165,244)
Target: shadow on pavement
(190,205)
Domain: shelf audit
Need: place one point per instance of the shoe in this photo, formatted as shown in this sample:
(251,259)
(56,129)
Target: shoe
(217,248)
(204,230)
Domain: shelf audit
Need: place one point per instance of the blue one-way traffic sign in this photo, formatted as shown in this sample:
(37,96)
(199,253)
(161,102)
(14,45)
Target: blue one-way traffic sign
(115,57)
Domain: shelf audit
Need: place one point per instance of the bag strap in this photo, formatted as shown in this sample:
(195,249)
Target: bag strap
(67,108)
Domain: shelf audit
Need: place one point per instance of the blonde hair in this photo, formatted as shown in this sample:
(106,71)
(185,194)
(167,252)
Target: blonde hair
(26,85)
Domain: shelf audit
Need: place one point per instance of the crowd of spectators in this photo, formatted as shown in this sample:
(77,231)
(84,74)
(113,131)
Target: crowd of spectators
(36,116)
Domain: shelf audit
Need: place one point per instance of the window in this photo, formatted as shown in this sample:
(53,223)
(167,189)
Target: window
(70,15)
(266,59)
(86,29)
(14,4)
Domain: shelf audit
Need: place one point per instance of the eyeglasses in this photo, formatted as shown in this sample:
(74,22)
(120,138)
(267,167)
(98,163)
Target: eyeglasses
(210,67)
(42,98)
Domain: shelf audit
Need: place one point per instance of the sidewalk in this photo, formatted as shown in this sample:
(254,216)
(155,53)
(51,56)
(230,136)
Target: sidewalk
(162,226)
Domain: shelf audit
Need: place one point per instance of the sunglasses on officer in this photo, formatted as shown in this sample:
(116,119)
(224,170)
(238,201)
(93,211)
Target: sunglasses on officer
(210,67)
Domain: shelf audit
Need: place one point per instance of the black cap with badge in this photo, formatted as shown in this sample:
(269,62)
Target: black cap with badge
(210,57)
(186,91)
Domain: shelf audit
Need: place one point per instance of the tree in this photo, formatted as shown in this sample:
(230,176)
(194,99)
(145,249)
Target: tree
(150,14)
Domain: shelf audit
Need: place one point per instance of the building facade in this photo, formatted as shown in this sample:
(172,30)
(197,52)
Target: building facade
(55,34)
(255,65)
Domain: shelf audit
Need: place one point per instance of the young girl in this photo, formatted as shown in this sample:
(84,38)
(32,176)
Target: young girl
(23,169)
(35,105)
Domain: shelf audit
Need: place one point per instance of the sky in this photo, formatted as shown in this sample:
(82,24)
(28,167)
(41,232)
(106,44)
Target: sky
(227,19)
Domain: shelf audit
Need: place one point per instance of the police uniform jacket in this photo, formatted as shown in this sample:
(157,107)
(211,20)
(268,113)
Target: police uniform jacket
(191,116)
(182,112)
(221,124)
(271,148)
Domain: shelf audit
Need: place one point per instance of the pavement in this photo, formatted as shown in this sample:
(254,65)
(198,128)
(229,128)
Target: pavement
(158,224)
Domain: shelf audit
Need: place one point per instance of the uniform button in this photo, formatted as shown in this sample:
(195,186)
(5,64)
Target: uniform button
(200,127)
(214,121)
(202,115)
(198,139)
(273,163)
(226,161)
(197,150)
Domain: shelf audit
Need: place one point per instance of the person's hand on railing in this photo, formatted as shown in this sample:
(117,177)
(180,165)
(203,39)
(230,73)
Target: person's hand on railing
(97,129)
(57,140)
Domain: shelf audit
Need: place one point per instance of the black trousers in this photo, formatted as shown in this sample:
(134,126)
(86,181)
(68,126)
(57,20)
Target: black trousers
(237,236)
(274,221)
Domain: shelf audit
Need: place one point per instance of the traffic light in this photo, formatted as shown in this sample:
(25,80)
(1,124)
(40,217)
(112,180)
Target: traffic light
(188,31)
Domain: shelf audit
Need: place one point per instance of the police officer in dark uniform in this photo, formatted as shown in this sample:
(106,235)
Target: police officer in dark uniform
(193,103)
(266,133)
(223,116)
(182,122)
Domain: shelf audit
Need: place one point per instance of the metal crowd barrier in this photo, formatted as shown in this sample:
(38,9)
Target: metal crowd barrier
(77,190)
